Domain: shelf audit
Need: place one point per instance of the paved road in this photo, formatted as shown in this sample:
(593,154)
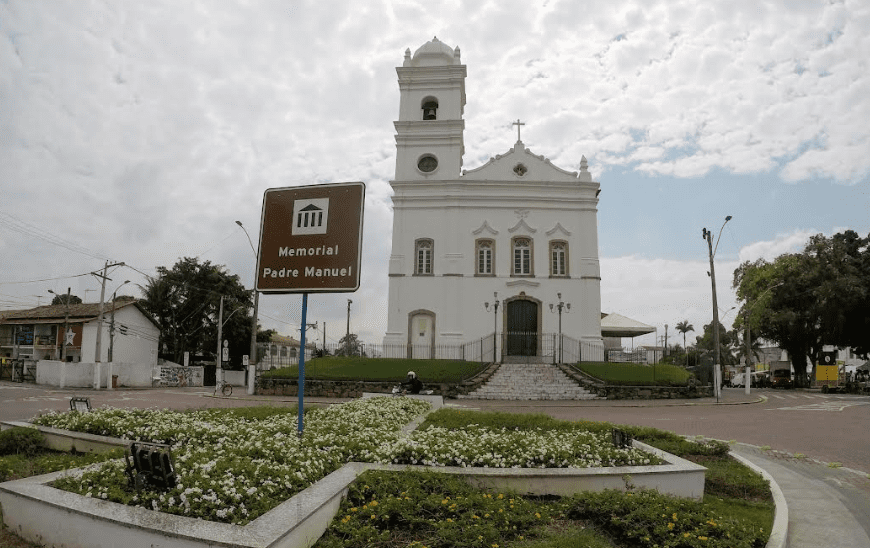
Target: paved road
(826,427)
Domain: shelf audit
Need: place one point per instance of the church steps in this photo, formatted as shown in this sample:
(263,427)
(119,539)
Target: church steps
(530,381)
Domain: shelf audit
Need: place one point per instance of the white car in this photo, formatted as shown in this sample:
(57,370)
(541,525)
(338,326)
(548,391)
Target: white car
(757,379)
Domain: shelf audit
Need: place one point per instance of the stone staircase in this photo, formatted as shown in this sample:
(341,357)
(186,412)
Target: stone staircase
(530,381)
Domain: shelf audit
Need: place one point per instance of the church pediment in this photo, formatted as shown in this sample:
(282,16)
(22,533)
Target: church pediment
(485,228)
(558,228)
(519,164)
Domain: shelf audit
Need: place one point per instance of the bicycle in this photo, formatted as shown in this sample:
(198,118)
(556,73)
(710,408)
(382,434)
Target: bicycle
(225,388)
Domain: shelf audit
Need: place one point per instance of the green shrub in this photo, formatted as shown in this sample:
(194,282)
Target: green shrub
(648,518)
(20,441)
(429,509)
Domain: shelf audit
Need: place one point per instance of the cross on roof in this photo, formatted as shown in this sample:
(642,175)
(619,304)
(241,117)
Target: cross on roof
(518,124)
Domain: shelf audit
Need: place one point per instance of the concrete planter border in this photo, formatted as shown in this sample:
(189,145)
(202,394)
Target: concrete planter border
(35,510)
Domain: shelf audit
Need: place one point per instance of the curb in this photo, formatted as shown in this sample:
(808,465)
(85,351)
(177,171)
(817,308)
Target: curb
(779,530)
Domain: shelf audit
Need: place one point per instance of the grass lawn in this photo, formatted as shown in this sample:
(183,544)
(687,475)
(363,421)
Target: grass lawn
(636,374)
(380,369)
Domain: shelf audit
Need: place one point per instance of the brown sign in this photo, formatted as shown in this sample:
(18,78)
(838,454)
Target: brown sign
(311,239)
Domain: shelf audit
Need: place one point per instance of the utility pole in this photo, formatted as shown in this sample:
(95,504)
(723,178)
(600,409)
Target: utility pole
(716,388)
(65,326)
(348,319)
(103,278)
(665,351)
(717,373)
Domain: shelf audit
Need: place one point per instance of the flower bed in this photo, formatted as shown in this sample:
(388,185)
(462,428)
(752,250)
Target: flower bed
(232,469)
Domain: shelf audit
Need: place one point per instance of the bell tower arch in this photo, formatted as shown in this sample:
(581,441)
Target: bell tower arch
(429,131)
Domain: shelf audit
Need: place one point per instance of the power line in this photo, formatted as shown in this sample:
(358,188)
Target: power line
(46,279)
(23,227)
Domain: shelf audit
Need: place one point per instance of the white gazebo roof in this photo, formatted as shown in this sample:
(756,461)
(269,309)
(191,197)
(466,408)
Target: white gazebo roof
(616,325)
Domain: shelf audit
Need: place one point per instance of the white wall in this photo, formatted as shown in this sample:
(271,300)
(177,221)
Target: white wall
(139,345)
(81,374)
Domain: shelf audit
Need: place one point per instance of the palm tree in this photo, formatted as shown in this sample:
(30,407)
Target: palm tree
(684,327)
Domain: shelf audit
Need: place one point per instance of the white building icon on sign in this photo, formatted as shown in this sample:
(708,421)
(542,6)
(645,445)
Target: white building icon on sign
(310,216)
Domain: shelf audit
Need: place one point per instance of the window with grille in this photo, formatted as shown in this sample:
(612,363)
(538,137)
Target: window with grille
(424,257)
(522,257)
(558,259)
(485,256)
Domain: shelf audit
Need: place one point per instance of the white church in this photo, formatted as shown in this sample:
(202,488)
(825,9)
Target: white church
(504,252)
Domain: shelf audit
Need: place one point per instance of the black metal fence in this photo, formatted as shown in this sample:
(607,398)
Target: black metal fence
(539,347)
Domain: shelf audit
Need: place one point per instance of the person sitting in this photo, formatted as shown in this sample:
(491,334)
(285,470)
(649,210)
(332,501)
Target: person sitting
(413,384)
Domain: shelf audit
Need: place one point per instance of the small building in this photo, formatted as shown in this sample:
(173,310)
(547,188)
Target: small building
(69,333)
(281,351)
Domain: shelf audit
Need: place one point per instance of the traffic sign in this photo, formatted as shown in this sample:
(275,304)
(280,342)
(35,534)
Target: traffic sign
(311,239)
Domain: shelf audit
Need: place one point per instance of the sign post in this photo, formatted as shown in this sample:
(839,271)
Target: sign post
(310,242)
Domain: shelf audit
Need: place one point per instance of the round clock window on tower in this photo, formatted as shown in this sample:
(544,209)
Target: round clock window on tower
(427,164)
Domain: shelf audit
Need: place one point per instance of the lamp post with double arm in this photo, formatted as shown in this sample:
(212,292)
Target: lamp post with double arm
(495,305)
(560,306)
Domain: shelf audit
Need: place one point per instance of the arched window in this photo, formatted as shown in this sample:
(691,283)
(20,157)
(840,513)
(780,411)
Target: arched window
(558,258)
(522,257)
(430,108)
(485,253)
(423,257)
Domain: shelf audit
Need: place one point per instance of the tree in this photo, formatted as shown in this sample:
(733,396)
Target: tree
(350,346)
(265,335)
(727,343)
(185,301)
(61,299)
(684,327)
(803,301)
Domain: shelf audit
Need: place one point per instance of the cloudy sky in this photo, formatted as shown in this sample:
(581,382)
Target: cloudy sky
(140,131)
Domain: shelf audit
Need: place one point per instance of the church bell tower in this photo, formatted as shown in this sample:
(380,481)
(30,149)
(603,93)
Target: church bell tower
(429,132)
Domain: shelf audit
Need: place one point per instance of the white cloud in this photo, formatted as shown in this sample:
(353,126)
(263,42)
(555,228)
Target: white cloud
(141,131)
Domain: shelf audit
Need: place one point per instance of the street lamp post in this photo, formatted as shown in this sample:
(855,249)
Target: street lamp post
(560,306)
(253,357)
(494,307)
(717,373)
(347,335)
(65,324)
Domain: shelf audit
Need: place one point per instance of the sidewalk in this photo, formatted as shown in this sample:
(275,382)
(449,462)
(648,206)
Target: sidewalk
(729,396)
(817,514)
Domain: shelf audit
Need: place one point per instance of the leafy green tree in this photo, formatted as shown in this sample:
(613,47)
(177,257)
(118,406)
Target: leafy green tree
(61,299)
(803,301)
(727,343)
(350,345)
(265,335)
(185,301)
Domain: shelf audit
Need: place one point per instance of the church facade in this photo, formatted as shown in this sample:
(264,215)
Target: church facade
(509,247)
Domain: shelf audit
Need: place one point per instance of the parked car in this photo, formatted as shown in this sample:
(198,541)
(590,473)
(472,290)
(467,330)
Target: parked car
(782,379)
(758,379)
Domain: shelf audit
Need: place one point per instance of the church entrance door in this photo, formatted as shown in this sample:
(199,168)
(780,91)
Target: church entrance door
(522,328)
(421,337)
